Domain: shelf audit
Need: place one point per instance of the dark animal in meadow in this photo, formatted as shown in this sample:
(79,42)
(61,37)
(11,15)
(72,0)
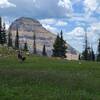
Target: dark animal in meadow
(21,57)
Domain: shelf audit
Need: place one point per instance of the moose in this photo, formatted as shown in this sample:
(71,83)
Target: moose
(20,56)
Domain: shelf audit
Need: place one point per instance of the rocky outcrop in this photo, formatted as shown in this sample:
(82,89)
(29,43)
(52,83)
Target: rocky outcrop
(27,27)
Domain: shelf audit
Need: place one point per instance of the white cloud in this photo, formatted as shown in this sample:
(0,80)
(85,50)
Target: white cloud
(83,17)
(53,22)
(49,24)
(48,21)
(94,30)
(77,32)
(96,26)
(50,28)
(67,5)
(6,4)
(76,38)
(80,23)
(90,6)
(61,23)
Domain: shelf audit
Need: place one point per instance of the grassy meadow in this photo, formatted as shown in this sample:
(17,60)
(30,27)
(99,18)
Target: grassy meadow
(41,78)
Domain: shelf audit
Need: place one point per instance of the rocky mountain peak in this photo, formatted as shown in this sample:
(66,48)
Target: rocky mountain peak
(27,27)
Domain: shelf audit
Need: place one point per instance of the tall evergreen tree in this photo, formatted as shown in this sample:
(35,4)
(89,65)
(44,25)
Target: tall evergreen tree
(79,57)
(34,44)
(63,45)
(56,47)
(92,54)
(98,55)
(25,46)
(89,56)
(3,39)
(44,51)
(4,34)
(0,30)
(59,47)
(85,54)
(17,39)
(10,39)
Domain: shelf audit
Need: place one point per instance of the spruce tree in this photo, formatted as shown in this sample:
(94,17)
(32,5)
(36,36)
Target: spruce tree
(85,54)
(98,55)
(63,45)
(34,44)
(1,32)
(44,51)
(59,47)
(56,47)
(9,39)
(92,55)
(79,57)
(4,34)
(25,46)
(89,55)
(17,39)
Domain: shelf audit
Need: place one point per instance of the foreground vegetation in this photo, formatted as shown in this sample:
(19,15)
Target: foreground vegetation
(41,78)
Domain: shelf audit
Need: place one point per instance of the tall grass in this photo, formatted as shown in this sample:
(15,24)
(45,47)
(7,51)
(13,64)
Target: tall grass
(42,78)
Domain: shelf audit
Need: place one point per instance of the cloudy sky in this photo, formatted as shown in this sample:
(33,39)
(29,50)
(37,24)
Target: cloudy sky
(74,17)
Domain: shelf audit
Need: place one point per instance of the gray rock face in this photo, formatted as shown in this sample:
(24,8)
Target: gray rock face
(27,27)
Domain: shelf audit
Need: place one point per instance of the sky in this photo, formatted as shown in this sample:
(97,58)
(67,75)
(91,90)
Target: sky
(74,17)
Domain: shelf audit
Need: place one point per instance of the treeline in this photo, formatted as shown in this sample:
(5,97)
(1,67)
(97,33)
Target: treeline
(6,39)
(88,52)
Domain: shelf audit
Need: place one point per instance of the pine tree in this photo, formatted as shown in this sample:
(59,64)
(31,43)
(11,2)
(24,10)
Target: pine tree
(98,55)
(34,44)
(9,39)
(92,54)
(25,46)
(79,57)
(1,32)
(89,55)
(59,47)
(44,51)
(63,45)
(17,39)
(85,54)
(4,34)
(56,47)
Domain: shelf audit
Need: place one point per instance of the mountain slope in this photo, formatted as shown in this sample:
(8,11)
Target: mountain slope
(27,27)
